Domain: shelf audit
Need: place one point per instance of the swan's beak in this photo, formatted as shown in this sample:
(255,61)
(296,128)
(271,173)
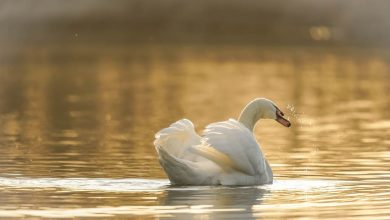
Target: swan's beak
(280,119)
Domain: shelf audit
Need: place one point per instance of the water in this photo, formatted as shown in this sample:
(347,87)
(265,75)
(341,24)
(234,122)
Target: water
(77,126)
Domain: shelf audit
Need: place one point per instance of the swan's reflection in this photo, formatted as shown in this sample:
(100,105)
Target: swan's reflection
(214,202)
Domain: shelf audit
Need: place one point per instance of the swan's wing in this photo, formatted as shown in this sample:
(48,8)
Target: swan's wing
(177,139)
(231,145)
(182,166)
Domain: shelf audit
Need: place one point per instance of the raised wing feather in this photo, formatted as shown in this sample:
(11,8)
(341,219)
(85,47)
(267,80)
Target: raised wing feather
(238,143)
(178,138)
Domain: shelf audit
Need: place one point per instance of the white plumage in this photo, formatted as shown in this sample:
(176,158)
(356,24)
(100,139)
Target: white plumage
(226,154)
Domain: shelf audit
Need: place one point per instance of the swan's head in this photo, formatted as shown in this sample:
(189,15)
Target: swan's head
(267,109)
(261,108)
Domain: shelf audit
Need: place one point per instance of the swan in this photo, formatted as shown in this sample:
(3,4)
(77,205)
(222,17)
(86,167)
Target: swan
(226,154)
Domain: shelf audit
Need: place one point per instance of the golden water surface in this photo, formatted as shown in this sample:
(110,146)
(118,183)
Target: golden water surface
(77,129)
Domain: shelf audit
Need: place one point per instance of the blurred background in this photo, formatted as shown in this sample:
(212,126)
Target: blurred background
(298,22)
(85,85)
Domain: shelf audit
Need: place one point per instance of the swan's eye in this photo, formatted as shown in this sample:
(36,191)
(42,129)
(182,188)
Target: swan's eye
(280,113)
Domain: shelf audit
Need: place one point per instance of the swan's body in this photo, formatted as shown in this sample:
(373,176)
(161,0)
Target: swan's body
(226,154)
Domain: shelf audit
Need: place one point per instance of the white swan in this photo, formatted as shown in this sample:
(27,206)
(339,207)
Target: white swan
(226,154)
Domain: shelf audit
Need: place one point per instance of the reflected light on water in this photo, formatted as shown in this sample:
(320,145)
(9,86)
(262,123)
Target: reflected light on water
(76,130)
(159,211)
(208,200)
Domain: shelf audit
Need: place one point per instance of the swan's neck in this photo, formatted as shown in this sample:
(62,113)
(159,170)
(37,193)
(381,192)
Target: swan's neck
(250,115)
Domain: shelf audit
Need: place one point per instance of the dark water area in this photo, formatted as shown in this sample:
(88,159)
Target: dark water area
(262,22)
(77,125)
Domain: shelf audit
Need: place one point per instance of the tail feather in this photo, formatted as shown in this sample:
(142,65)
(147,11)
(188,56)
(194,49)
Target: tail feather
(182,166)
(177,139)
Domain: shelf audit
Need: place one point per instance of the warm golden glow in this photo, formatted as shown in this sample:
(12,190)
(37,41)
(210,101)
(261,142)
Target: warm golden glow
(95,119)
